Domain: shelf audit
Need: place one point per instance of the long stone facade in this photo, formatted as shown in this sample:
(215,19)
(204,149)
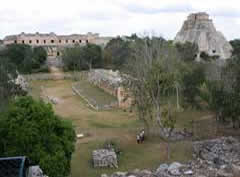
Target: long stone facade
(54,44)
(199,29)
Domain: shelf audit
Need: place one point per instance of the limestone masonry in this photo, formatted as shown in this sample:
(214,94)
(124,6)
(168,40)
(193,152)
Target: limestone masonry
(212,158)
(199,29)
(53,43)
(111,82)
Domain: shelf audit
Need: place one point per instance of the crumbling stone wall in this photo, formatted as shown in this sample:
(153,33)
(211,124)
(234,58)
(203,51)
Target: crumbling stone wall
(111,82)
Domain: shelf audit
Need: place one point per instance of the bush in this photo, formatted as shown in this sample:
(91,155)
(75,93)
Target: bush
(30,128)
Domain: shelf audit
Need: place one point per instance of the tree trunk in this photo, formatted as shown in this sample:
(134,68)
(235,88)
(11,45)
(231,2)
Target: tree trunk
(234,122)
(90,66)
(168,150)
(158,117)
(177,91)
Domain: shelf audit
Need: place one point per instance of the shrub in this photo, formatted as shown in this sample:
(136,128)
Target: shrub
(30,128)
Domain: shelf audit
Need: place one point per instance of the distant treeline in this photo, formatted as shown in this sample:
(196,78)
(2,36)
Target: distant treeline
(25,58)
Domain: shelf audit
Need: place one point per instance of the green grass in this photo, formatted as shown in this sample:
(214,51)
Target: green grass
(111,124)
(184,118)
(94,94)
(148,155)
(116,124)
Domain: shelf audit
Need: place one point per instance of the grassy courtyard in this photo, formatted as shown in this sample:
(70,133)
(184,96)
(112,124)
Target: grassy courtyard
(117,125)
(95,95)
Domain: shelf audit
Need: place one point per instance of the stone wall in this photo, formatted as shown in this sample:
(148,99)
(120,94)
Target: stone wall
(111,83)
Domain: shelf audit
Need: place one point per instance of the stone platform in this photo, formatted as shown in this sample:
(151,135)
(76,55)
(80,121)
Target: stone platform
(104,158)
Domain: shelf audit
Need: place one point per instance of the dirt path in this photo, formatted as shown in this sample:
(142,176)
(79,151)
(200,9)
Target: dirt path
(57,72)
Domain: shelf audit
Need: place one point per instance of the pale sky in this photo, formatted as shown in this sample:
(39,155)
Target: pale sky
(114,17)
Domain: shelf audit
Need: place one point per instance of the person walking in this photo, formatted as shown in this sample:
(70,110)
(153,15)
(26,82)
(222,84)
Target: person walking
(142,136)
(138,139)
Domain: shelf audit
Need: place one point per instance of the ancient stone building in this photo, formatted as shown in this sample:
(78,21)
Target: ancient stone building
(54,44)
(199,29)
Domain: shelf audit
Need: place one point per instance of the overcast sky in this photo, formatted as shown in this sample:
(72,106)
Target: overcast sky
(114,17)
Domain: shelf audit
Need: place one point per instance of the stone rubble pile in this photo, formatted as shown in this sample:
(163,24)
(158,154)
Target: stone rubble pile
(35,171)
(212,158)
(180,135)
(105,158)
(54,100)
(20,80)
(218,151)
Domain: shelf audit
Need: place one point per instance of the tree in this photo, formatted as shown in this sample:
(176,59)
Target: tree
(169,122)
(21,56)
(192,81)
(8,87)
(151,76)
(188,51)
(73,59)
(30,128)
(214,95)
(92,55)
(116,53)
(231,83)
(223,94)
(24,57)
(236,47)
(16,53)
(82,57)
(40,56)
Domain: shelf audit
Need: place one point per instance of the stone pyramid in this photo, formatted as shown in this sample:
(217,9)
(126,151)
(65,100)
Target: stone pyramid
(199,29)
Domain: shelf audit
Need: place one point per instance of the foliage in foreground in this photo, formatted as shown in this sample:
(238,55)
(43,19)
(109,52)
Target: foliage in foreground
(30,128)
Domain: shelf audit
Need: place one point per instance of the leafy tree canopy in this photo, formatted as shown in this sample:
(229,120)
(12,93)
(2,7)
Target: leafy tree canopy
(30,128)
(117,52)
(24,57)
(192,81)
(82,57)
(188,51)
(8,88)
(236,47)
